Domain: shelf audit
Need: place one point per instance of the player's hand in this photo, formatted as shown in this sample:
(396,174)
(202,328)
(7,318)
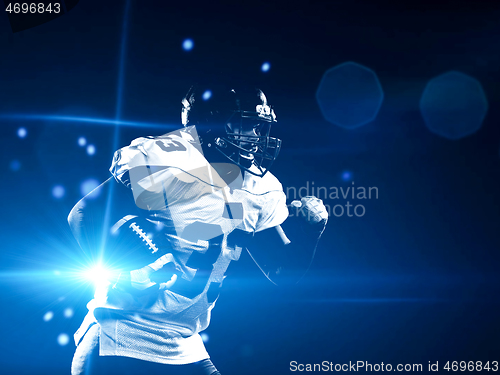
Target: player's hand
(312,210)
(161,274)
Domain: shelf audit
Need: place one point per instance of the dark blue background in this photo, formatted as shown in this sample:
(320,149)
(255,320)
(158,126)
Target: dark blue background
(412,281)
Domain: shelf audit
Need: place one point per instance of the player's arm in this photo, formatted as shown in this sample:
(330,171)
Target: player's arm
(88,217)
(120,237)
(285,252)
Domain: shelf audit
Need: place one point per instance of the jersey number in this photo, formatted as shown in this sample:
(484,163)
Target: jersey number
(173,145)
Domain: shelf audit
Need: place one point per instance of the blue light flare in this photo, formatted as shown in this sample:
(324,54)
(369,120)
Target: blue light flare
(373,300)
(89,120)
(98,275)
(204,337)
(121,67)
(88,185)
(58,191)
(63,339)
(346,176)
(349,95)
(118,110)
(15,165)
(454,105)
(68,312)
(265,67)
(48,316)
(187,45)
(90,150)
(82,141)
(207,95)
(22,132)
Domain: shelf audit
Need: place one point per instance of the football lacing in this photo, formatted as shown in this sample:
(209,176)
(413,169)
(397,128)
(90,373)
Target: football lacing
(144,237)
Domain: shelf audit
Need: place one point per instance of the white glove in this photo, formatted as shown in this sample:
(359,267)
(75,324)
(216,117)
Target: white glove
(311,209)
(161,274)
(140,279)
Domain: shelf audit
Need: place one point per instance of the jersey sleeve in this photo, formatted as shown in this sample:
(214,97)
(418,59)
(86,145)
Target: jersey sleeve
(274,210)
(176,149)
(158,169)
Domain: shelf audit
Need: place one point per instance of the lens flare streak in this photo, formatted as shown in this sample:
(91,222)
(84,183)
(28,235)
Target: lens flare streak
(89,120)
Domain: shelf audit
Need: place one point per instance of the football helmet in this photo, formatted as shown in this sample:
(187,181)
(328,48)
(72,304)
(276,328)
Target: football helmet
(237,123)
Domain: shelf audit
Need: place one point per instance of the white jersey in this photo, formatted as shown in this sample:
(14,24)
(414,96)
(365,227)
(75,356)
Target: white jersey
(179,190)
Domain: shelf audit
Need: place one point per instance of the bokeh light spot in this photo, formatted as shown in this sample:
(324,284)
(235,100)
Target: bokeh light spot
(188,44)
(98,275)
(22,132)
(349,95)
(15,165)
(207,95)
(90,150)
(88,185)
(453,105)
(265,67)
(58,191)
(48,316)
(68,312)
(63,339)
(82,141)
(204,337)
(346,176)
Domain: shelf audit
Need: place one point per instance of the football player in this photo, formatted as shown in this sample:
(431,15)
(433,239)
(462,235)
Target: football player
(176,212)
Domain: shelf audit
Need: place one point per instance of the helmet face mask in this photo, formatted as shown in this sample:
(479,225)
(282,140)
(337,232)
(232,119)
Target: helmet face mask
(242,124)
